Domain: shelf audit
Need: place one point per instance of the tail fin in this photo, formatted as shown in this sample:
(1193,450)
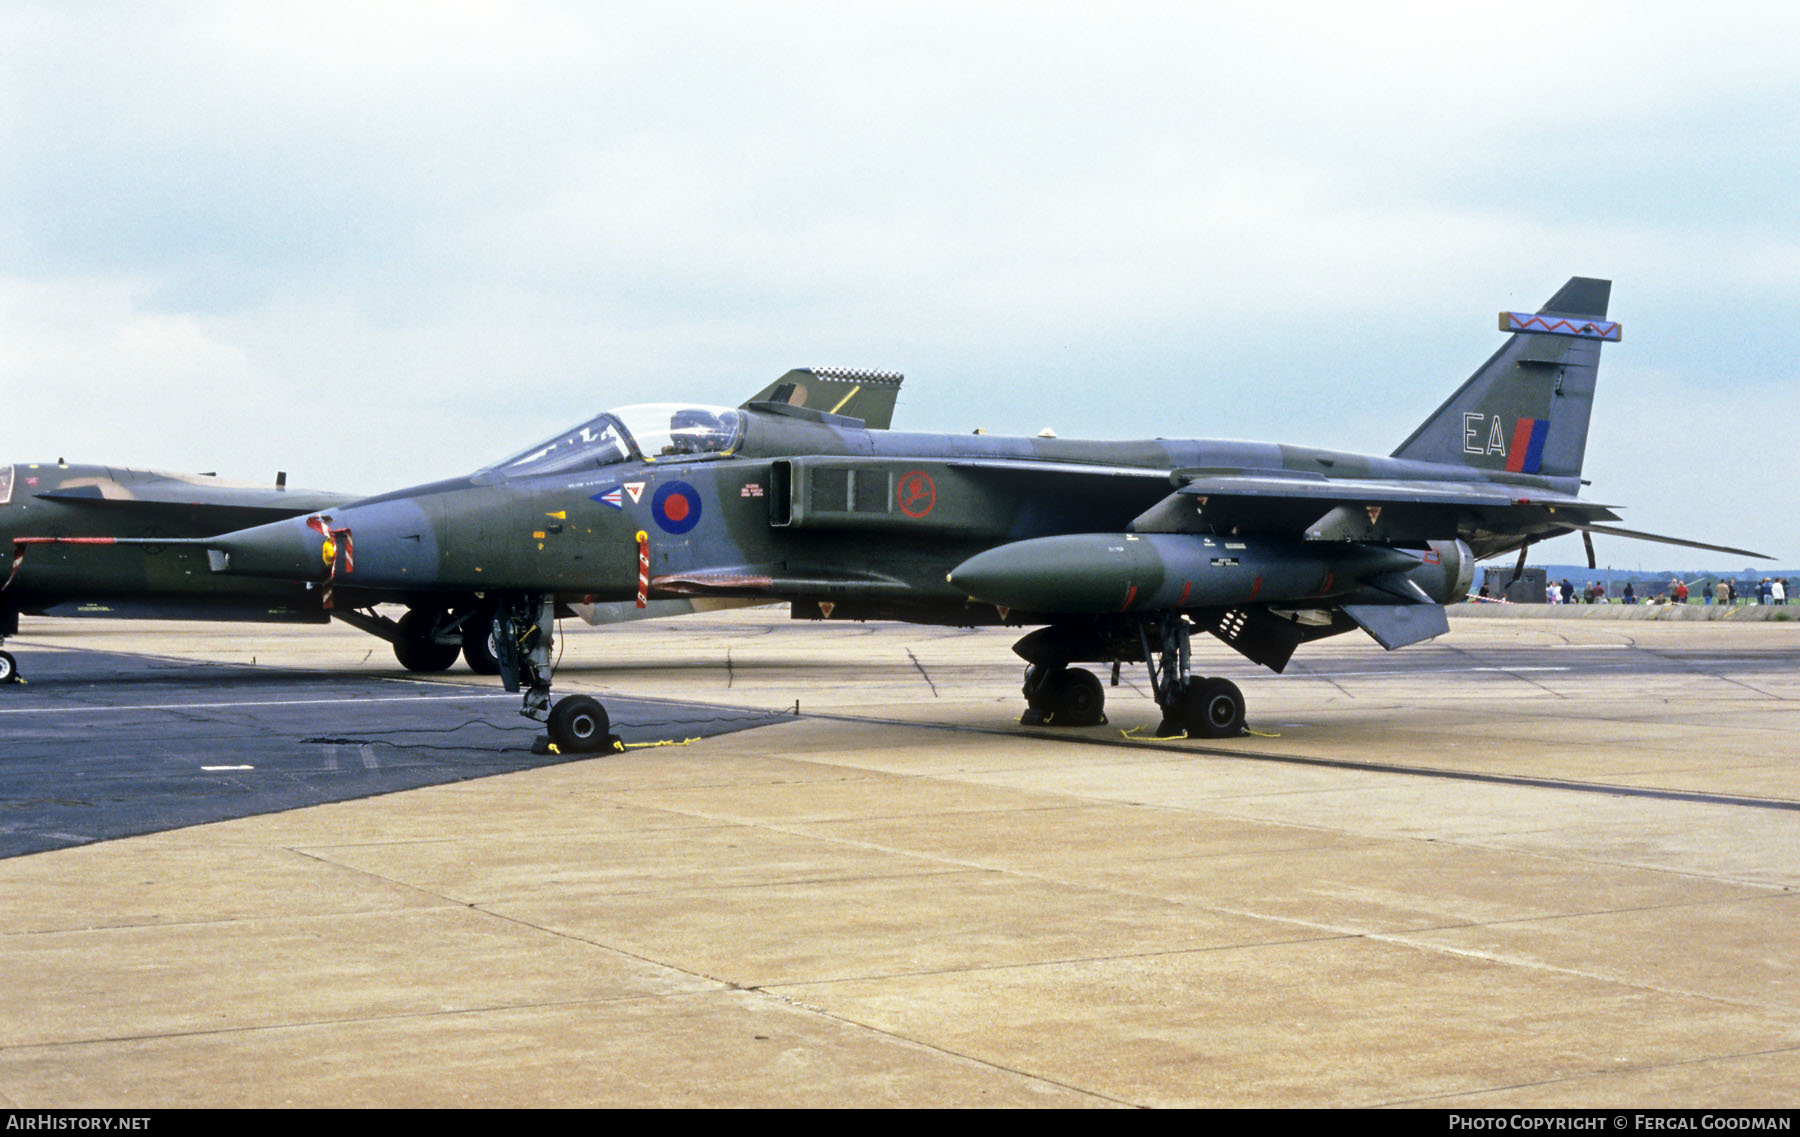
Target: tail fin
(1526,409)
(867,395)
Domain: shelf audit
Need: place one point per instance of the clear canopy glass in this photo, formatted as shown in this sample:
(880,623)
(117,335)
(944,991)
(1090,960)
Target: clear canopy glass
(650,431)
(681,430)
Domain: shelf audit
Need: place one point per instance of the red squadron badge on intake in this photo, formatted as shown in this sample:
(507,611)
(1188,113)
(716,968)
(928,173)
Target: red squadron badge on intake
(916,494)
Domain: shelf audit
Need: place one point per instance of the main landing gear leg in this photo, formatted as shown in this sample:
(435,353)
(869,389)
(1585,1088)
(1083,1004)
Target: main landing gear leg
(1202,707)
(523,636)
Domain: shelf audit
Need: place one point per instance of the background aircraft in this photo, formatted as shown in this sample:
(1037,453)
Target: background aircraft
(152,578)
(1117,551)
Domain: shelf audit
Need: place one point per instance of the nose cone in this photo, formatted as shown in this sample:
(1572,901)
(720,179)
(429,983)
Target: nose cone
(385,544)
(284,550)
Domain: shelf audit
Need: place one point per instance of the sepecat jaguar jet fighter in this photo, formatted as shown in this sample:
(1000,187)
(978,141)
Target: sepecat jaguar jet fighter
(1110,552)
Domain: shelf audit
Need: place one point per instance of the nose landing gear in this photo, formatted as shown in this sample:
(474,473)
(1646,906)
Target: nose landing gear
(523,635)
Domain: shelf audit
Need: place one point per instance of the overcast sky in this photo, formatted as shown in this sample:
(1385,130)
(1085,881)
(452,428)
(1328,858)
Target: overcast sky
(374,244)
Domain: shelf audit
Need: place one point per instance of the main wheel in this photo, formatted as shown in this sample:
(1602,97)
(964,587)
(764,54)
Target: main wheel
(1039,687)
(9,667)
(579,723)
(478,645)
(1213,708)
(416,649)
(1078,699)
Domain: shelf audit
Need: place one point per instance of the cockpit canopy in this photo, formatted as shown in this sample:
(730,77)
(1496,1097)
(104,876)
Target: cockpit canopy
(651,432)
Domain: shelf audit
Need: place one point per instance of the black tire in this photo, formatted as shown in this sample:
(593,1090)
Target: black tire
(1213,708)
(9,667)
(1079,699)
(1039,689)
(416,650)
(477,643)
(579,723)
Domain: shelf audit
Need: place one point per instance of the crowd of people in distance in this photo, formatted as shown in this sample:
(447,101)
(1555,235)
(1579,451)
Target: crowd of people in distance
(1724,591)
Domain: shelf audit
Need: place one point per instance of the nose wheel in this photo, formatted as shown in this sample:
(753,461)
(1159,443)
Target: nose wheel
(524,628)
(578,723)
(9,668)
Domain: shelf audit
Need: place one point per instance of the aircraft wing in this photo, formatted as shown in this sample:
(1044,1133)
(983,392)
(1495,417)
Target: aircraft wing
(1493,517)
(1013,497)
(1638,535)
(1365,509)
(1250,494)
(1382,491)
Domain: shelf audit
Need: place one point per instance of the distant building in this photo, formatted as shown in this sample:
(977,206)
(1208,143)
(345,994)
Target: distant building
(1528,589)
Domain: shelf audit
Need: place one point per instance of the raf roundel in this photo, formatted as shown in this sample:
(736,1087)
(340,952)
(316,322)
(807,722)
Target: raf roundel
(676,507)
